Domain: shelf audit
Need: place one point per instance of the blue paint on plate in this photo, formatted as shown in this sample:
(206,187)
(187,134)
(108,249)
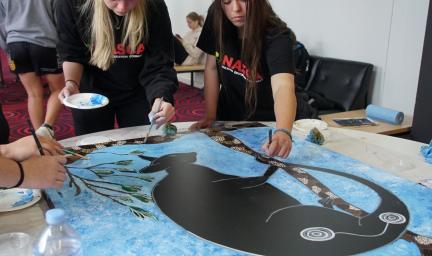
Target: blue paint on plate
(26,196)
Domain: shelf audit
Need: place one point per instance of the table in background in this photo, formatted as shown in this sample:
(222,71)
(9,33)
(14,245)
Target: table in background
(190,69)
(381,128)
(397,156)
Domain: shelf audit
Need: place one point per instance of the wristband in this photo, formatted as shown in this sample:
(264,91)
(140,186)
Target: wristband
(21,179)
(72,81)
(284,130)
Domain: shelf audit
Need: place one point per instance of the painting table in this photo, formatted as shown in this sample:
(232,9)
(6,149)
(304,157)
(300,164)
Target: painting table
(215,193)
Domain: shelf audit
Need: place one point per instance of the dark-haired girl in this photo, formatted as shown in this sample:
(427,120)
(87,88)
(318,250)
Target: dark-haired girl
(249,68)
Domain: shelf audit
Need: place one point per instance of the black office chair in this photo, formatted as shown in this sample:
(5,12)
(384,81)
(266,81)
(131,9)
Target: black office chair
(344,84)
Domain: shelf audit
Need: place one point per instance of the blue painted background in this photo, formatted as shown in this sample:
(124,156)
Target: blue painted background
(108,228)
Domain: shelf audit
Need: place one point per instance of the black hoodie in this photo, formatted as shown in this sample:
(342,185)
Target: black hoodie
(149,68)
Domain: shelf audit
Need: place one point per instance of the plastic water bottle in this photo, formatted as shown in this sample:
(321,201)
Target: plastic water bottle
(58,238)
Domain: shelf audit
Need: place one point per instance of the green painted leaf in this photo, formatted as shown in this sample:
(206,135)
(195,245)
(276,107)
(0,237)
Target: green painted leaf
(140,213)
(124,162)
(143,198)
(146,178)
(103,172)
(124,170)
(136,152)
(132,188)
(126,199)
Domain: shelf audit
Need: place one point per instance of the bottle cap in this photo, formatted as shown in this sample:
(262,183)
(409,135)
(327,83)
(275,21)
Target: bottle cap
(55,216)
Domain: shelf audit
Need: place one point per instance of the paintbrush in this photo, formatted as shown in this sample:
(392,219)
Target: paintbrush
(39,145)
(270,135)
(33,133)
(153,120)
(75,154)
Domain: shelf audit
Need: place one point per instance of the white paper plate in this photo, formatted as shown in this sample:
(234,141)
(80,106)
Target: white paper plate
(90,140)
(305,125)
(18,198)
(86,101)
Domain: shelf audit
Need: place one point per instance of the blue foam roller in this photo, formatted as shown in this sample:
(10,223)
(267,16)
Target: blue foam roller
(384,114)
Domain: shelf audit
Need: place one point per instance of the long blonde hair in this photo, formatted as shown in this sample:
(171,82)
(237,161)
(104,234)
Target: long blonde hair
(102,42)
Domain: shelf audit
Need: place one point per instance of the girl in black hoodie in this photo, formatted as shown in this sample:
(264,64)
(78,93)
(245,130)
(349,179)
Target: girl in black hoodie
(122,49)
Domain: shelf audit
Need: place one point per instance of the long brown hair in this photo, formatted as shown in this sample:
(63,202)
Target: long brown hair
(260,17)
(193,16)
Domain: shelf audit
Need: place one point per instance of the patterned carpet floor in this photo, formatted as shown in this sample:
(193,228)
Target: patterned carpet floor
(189,104)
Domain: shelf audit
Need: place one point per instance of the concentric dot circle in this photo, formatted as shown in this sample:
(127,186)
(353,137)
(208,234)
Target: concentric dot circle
(317,234)
(392,218)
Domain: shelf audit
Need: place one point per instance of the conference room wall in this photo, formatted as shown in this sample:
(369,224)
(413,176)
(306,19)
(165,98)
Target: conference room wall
(387,33)
(178,10)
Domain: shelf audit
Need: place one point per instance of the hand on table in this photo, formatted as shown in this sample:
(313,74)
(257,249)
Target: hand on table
(162,114)
(280,146)
(44,172)
(202,124)
(26,147)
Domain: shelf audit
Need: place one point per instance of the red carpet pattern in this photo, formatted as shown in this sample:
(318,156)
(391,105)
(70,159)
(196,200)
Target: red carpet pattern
(189,105)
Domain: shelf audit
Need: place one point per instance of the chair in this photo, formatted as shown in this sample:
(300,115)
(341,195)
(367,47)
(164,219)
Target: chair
(343,82)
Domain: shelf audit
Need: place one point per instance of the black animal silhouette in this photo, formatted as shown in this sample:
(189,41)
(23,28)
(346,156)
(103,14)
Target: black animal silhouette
(250,215)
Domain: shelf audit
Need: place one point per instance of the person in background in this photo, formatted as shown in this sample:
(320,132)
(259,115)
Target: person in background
(22,166)
(186,52)
(2,30)
(31,39)
(250,55)
(122,49)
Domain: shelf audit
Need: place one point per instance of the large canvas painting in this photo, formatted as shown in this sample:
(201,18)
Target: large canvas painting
(215,193)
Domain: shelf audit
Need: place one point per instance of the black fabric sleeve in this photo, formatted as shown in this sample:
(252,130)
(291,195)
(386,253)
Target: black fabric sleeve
(4,128)
(71,46)
(207,41)
(158,75)
(279,54)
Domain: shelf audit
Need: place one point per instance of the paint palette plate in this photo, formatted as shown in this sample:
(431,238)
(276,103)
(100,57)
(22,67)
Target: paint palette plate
(305,125)
(18,198)
(86,101)
(93,140)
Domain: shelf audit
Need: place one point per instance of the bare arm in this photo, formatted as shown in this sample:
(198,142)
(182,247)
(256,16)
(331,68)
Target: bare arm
(72,74)
(211,93)
(285,105)
(285,102)
(39,172)
(26,147)
(9,173)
